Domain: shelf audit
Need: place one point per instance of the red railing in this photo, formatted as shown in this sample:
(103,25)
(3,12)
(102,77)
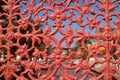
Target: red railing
(37,39)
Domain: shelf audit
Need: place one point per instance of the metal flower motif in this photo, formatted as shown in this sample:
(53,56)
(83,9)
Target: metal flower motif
(57,59)
(23,23)
(58,16)
(9,36)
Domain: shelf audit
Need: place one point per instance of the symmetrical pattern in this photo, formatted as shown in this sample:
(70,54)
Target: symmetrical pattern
(34,35)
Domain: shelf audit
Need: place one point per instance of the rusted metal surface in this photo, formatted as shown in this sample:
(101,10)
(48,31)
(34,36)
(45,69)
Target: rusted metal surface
(21,59)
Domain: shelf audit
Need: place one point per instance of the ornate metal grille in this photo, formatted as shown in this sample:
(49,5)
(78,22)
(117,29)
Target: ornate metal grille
(29,51)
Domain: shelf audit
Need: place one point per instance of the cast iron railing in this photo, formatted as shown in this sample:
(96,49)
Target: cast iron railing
(65,24)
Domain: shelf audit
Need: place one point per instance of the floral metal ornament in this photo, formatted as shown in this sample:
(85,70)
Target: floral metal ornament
(60,40)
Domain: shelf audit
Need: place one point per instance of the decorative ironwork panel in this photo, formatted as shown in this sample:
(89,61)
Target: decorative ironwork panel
(60,40)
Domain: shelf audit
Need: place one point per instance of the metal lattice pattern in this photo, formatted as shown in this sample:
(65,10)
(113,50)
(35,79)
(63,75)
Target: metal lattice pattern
(66,23)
